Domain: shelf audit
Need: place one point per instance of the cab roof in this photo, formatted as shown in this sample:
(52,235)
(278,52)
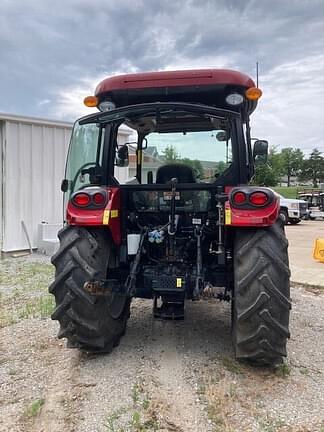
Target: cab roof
(204,86)
(179,78)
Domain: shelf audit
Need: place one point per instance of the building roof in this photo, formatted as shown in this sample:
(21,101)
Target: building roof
(123,130)
(34,120)
(151,150)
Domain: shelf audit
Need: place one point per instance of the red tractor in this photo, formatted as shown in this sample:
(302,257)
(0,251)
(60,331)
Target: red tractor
(168,214)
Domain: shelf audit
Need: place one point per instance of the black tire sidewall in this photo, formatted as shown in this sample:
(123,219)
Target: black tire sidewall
(283,215)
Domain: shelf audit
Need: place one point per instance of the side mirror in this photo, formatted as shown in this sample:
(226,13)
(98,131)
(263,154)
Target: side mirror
(222,136)
(260,150)
(122,156)
(65,185)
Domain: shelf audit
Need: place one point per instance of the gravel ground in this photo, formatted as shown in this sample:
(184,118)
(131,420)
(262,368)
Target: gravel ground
(164,376)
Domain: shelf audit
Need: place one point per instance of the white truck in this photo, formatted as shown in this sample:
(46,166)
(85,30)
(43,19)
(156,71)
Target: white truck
(292,210)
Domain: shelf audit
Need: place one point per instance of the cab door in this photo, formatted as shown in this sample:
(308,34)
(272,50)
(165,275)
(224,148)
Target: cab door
(84,160)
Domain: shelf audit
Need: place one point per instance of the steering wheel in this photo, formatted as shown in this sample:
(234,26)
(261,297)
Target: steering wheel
(75,178)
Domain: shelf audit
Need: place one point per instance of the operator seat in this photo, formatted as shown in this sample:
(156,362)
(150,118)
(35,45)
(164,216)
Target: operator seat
(183,173)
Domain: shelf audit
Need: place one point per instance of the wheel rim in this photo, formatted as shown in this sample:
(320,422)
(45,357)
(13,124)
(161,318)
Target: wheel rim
(283,216)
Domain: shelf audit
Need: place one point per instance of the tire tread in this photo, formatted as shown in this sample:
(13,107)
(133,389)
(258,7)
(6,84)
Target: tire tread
(261,294)
(84,319)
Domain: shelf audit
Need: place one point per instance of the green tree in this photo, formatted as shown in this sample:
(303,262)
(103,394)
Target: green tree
(313,168)
(170,154)
(268,174)
(195,164)
(220,167)
(275,161)
(292,162)
(265,175)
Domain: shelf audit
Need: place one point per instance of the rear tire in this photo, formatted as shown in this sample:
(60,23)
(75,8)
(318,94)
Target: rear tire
(86,321)
(261,303)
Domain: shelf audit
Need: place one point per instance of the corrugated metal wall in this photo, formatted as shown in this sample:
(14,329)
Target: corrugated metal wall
(33,164)
(1,185)
(33,153)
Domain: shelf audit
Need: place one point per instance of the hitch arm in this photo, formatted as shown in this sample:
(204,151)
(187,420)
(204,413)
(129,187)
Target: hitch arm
(220,199)
(199,276)
(130,283)
(106,287)
(103,287)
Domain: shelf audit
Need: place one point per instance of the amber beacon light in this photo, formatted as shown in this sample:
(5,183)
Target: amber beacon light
(90,101)
(253,93)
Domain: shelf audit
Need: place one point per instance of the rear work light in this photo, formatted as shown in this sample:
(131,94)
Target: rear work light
(106,106)
(239,198)
(81,199)
(258,198)
(234,99)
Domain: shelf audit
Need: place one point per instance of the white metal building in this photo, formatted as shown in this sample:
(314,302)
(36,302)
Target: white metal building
(33,153)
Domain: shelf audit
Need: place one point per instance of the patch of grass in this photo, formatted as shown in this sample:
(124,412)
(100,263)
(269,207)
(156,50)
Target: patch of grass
(41,307)
(304,371)
(6,318)
(202,388)
(140,416)
(27,275)
(221,398)
(24,292)
(137,422)
(146,402)
(112,418)
(31,270)
(136,389)
(287,192)
(142,426)
(283,370)
(215,416)
(140,397)
(269,424)
(232,365)
(34,408)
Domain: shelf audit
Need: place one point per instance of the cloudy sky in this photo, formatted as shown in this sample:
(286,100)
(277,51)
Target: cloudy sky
(53,53)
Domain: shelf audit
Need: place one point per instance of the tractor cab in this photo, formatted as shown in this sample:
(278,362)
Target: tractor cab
(199,119)
(168,214)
